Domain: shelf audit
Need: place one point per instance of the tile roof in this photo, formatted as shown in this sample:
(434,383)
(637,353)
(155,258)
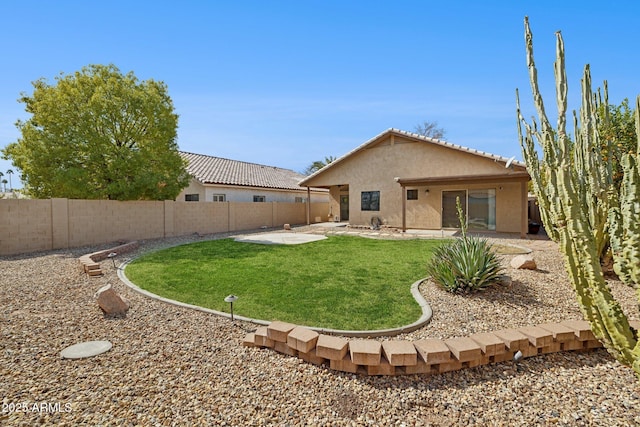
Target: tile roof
(216,170)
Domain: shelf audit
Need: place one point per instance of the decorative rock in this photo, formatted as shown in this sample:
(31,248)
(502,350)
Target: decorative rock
(287,226)
(524,262)
(111,303)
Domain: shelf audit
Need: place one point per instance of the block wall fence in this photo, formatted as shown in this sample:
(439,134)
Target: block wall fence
(38,225)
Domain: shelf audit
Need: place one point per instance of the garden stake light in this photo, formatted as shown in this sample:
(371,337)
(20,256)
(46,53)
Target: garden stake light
(230,299)
(113,256)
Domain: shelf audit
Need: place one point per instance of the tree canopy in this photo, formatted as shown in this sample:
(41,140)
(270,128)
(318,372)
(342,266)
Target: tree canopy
(317,165)
(617,128)
(99,134)
(430,129)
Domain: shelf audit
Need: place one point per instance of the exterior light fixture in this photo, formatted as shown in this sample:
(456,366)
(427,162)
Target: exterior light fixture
(112,256)
(231,299)
(517,356)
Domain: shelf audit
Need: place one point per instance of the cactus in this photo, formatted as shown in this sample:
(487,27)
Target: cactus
(574,186)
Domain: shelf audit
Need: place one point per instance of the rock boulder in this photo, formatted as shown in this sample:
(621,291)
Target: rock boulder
(112,304)
(524,262)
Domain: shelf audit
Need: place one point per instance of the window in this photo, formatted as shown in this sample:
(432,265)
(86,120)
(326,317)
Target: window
(260,199)
(301,199)
(482,209)
(219,198)
(191,197)
(370,201)
(412,194)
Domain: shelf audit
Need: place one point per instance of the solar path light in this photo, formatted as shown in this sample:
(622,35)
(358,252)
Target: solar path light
(231,299)
(112,256)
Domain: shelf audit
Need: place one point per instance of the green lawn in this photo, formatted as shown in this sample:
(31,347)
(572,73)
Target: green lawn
(343,282)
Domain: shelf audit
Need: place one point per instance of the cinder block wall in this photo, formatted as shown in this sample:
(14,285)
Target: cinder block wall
(97,221)
(25,226)
(37,225)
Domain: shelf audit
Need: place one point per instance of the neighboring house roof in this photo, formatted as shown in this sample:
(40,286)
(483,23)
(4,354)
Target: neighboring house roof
(216,170)
(415,136)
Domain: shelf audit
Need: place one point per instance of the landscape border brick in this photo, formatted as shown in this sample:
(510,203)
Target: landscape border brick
(427,356)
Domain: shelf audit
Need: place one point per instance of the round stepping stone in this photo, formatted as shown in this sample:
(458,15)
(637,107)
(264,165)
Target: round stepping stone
(85,349)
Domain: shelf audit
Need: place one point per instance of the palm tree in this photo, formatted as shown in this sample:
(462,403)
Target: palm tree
(9,173)
(4,183)
(318,164)
(1,175)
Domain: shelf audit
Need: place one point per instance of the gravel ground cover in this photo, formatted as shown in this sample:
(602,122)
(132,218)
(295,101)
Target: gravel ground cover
(175,366)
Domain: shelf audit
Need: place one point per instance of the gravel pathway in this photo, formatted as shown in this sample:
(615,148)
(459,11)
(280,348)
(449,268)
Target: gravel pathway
(174,366)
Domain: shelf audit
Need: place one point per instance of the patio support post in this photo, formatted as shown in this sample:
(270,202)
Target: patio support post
(404,209)
(308,205)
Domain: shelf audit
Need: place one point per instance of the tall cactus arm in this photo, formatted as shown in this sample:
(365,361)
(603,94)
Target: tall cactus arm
(535,90)
(536,169)
(570,185)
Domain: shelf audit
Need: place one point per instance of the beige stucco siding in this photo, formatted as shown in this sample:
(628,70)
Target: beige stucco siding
(396,156)
(376,167)
(245,194)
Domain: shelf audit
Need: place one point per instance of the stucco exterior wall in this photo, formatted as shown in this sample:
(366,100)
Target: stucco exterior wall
(245,194)
(375,168)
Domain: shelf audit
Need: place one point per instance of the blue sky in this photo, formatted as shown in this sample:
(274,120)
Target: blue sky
(285,83)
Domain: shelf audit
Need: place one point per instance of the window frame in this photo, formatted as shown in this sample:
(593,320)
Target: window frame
(412,192)
(370,201)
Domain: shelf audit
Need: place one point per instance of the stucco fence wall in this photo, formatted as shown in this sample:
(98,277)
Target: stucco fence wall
(37,225)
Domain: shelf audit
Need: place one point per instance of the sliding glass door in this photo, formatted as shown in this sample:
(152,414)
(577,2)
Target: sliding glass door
(449,212)
(479,206)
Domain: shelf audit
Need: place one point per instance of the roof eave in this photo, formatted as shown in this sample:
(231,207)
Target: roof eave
(465,179)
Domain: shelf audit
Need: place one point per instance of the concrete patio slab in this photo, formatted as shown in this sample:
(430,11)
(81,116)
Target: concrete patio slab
(280,238)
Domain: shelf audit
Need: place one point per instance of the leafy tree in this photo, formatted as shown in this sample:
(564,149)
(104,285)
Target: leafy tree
(617,129)
(99,134)
(318,164)
(430,129)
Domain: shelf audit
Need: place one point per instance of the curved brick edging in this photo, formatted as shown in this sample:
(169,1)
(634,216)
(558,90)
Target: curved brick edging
(423,320)
(426,356)
(90,262)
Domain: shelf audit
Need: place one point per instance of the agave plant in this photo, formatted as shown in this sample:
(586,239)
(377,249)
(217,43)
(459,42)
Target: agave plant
(466,264)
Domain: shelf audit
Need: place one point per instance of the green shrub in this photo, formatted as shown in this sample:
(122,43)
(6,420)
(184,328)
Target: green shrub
(465,265)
